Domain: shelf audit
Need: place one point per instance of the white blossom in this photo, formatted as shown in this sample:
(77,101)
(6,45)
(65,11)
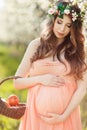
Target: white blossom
(67,11)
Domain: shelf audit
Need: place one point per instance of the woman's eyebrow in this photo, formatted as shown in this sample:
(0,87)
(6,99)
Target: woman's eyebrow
(60,19)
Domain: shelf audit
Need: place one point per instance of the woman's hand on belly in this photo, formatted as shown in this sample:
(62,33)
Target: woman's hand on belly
(51,80)
(52,118)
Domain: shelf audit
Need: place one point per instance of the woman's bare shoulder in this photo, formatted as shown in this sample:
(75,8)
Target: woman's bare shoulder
(32,47)
(35,43)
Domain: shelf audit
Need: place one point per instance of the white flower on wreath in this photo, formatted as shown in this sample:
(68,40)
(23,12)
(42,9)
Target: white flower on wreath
(67,11)
(74,16)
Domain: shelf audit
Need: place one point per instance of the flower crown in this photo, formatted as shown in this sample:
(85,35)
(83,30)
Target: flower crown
(61,9)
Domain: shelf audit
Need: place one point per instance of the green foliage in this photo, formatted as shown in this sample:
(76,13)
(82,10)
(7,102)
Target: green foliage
(9,60)
(10,57)
(84,112)
(8,124)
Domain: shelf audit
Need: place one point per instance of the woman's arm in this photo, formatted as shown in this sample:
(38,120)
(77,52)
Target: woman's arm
(78,96)
(24,67)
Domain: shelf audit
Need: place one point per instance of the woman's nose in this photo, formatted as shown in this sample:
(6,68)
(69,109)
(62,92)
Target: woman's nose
(62,29)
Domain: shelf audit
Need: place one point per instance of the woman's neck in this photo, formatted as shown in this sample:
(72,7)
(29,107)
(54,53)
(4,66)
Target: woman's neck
(60,41)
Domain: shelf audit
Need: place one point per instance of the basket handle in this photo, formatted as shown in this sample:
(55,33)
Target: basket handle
(10,77)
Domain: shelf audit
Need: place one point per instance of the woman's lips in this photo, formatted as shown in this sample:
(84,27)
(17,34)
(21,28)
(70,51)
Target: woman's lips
(61,34)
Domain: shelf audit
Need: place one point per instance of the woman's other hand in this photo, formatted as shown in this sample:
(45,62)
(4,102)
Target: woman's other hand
(52,118)
(51,80)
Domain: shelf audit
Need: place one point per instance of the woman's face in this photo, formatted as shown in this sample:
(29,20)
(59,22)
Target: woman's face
(62,27)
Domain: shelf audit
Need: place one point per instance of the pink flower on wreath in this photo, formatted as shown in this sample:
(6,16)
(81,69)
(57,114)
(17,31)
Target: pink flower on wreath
(51,11)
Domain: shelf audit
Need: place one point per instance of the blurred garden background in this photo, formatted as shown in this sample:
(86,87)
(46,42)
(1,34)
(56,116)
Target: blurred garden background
(20,22)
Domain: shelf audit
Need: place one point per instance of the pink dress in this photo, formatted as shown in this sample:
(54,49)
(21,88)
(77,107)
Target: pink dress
(42,99)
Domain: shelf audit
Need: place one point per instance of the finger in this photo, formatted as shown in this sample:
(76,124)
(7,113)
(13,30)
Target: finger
(57,85)
(41,115)
(60,84)
(47,119)
(51,114)
(59,81)
(54,115)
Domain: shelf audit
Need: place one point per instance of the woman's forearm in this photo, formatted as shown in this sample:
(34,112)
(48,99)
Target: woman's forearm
(27,82)
(77,97)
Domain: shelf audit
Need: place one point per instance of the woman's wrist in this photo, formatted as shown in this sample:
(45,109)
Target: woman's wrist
(26,82)
(35,80)
(65,115)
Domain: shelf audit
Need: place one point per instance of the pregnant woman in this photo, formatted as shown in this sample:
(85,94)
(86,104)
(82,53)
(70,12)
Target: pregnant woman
(50,69)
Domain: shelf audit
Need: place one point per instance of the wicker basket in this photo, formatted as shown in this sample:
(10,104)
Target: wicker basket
(15,112)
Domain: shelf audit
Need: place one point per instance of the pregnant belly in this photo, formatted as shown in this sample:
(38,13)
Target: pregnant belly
(50,99)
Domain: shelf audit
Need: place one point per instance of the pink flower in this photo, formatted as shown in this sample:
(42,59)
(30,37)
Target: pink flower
(51,11)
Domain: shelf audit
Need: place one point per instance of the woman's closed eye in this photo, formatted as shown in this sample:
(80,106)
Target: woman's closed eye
(69,25)
(59,22)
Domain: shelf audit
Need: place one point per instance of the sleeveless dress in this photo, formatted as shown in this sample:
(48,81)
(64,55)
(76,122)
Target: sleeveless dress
(42,99)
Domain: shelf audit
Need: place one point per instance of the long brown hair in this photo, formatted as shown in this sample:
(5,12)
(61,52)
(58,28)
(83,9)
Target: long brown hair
(73,46)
